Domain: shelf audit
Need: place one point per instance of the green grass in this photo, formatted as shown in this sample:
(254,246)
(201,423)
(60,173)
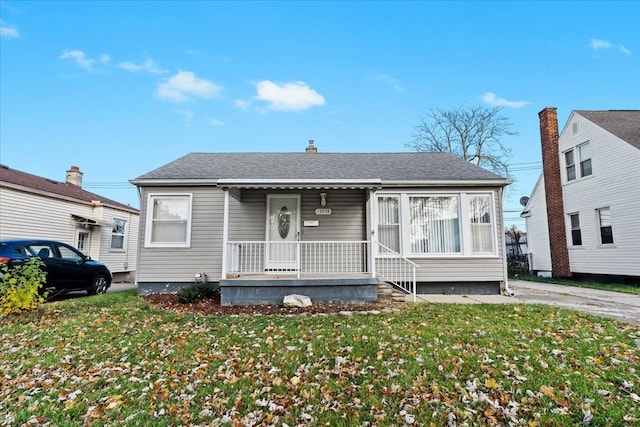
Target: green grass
(629,289)
(115,360)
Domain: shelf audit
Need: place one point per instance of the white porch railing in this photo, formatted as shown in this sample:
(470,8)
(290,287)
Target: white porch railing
(396,269)
(308,257)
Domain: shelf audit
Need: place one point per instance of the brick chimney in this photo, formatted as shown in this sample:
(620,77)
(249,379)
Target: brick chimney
(311,148)
(74,176)
(553,190)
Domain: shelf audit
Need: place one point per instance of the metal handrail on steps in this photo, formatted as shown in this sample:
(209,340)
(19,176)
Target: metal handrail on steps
(393,268)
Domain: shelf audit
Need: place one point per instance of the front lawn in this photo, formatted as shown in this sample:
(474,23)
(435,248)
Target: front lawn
(114,359)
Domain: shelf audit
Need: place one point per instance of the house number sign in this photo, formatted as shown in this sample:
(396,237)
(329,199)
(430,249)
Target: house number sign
(323,211)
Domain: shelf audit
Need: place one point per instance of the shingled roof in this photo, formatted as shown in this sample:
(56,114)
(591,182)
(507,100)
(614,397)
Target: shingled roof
(41,185)
(625,124)
(386,167)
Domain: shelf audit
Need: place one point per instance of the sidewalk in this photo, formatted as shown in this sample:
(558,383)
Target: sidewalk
(465,299)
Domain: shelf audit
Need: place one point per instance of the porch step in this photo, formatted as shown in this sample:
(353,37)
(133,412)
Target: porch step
(387,293)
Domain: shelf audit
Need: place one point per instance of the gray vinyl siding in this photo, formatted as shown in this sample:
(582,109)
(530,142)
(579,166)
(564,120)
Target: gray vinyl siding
(159,265)
(28,215)
(247,219)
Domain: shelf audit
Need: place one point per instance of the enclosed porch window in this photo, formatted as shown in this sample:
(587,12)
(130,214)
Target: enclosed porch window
(453,224)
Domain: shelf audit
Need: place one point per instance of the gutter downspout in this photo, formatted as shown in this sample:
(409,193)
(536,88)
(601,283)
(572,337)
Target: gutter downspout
(225,234)
(505,273)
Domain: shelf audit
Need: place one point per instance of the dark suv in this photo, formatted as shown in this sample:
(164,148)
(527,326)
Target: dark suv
(66,267)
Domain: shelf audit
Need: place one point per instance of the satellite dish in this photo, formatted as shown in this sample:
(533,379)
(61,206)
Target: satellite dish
(524,200)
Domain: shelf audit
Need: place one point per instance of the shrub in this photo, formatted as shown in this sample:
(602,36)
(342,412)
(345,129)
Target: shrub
(21,286)
(195,293)
(517,264)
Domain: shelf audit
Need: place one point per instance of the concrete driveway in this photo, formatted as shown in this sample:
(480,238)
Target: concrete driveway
(617,305)
(121,286)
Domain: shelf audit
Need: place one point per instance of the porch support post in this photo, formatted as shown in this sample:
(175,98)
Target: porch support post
(225,233)
(372,218)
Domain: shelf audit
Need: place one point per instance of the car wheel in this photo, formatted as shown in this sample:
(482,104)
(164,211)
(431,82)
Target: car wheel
(99,285)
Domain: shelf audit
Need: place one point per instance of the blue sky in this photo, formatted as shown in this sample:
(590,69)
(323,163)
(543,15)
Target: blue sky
(120,88)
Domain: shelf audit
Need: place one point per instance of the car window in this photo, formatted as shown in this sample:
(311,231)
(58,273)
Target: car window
(42,250)
(68,253)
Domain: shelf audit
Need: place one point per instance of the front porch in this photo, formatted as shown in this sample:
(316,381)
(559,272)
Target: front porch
(271,289)
(260,272)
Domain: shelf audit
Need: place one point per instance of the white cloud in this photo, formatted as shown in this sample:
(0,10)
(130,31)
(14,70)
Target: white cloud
(492,99)
(290,96)
(148,66)
(81,59)
(184,85)
(597,44)
(8,31)
(387,80)
(242,104)
(216,122)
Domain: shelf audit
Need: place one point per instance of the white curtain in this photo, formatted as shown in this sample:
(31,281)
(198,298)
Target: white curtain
(389,223)
(480,215)
(435,224)
(170,219)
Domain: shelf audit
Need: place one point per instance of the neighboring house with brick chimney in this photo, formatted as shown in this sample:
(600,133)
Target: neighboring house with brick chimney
(35,207)
(583,216)
(331,226)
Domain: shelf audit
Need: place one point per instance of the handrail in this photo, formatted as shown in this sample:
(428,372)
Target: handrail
(397,270)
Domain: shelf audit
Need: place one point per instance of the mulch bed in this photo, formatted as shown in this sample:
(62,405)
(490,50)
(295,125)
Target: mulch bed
(212,307)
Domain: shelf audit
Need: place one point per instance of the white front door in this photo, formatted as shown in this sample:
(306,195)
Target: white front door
(83,240)
(283,231)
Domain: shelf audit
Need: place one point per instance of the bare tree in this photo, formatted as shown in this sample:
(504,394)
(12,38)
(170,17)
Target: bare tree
(472,133)
(516,236)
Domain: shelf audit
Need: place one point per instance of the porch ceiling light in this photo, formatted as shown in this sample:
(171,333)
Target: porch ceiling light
(323,199)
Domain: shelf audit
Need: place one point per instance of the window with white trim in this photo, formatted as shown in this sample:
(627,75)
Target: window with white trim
(389,223)
(570,165)
(481,223)
(579,157)
(117,234)
(576,233)
(168,220)
(606,230)
(584,152)
(434,224)
(437,224)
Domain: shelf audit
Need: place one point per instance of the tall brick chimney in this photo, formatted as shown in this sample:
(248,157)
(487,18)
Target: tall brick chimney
(553,190)
(74,176)
(311,148)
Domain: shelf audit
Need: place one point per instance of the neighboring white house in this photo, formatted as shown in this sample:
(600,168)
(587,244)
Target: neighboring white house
(35,207)
(328,225)
(598,159)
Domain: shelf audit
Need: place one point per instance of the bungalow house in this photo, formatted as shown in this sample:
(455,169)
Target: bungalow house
(35,207)
(327,225)
(582,216)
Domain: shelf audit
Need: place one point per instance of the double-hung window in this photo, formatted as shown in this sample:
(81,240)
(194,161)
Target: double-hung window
(576,233)
(434,224)
(481,224)
(117,234)
(570,165)
(169,220)
(582,156)
(604,221)
(584,152)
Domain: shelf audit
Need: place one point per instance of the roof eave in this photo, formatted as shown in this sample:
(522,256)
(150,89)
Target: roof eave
(450,183)
(146,182)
